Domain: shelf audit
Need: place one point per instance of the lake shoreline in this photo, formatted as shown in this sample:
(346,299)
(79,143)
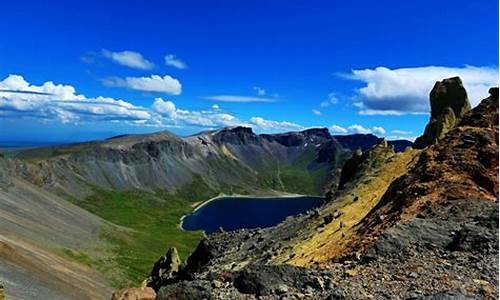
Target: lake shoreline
(200,204)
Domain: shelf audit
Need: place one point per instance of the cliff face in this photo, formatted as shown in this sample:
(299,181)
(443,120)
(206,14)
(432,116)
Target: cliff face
(430,214)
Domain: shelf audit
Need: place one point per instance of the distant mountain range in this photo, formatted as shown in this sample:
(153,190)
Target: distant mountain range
(367,141)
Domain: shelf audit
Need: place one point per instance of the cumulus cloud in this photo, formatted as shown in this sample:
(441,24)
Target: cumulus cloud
(130,59)
(173,61)
(237,99)
(19,98)
(60,102)
(165,108)
(338,129)
(406,90)
(357,129)
(316,112)
(170,114)
(378,130)
(332,99)
(270,125)
(154,83)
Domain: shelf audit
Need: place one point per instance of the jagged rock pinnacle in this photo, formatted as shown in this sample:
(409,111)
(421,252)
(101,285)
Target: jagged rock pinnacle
(449,102)
(164,269)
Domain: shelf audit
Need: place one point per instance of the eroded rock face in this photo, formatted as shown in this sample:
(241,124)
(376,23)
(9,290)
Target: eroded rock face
(165,269)
(449,102)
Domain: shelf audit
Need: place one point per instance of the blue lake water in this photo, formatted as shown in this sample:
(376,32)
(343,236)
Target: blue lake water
(233,213)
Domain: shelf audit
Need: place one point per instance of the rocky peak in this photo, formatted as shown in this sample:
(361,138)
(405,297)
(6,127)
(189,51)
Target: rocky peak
(235,135)
(317,132)
(485,114)
(361,162)
(449,102)
(449,93)
(493,92)
(298,138)
(164,270)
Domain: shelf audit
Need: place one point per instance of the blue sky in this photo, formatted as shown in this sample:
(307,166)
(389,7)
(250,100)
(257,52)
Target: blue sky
(186,66)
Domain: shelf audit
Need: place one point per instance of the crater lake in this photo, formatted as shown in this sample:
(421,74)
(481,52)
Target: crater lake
(232,213)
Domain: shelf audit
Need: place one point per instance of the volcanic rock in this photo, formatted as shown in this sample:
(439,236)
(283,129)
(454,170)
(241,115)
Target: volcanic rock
(449,103)
(164,270)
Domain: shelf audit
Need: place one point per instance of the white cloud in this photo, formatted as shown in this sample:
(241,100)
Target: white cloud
(401,132)
(59,102)
(130,59)
(316,112)
(19,98)
(406,90)
(332,99)
(171,60)
(378,130)
(338,129)
(260,91)
(401,137)
(165,107)
(154,83)
(238,99)
(270,125)
(170,114)
(357,129)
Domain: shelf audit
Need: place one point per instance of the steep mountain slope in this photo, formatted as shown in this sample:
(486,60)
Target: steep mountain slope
(422,224)
(40,233)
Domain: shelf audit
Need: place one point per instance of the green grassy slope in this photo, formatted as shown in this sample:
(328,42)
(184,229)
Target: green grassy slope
(153,219)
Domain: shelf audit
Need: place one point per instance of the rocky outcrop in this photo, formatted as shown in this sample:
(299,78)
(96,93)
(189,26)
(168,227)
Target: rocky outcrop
(351,168)
(164,270)
(449,103)
(463,165)
(360,163)
(236,135)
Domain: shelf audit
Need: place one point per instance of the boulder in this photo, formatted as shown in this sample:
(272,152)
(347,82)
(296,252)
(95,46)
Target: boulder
(186,290)
(449,102)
